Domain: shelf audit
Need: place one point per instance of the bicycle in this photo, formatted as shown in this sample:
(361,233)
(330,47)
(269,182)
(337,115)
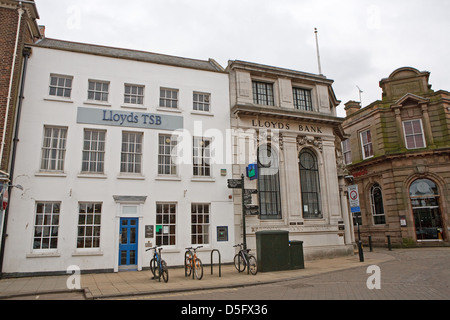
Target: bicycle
(158,266)
(191,262)
(244,259)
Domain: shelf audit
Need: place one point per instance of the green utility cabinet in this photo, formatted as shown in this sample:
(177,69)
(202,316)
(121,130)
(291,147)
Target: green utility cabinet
(275,252)
(272,248)
(296,254)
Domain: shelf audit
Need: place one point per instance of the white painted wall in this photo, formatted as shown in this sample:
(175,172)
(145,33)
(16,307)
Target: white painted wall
(70,188)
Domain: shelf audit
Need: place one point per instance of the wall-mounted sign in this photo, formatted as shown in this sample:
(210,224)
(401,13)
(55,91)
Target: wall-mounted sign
(222,233)
(131,119)
(252,171)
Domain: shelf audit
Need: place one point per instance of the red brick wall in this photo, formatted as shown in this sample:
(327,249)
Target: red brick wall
(9,19)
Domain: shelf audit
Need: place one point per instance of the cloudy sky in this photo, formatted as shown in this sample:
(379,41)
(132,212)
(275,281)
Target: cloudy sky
(360,41)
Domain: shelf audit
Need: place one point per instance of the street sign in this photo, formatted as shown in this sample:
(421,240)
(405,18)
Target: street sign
(353,196)
(234,183)
(250,191)
(251,209)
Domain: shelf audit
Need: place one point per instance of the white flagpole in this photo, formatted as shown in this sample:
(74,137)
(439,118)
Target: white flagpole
(318,54)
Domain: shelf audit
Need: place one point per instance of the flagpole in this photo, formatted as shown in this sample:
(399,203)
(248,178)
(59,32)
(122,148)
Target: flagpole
(318,54)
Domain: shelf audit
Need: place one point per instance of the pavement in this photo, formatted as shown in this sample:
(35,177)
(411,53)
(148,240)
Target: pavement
(135,283)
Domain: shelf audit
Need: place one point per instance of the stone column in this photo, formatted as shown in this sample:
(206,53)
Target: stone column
(427,125)
(292,177)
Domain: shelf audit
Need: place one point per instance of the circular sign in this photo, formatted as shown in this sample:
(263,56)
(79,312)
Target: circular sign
(353,195)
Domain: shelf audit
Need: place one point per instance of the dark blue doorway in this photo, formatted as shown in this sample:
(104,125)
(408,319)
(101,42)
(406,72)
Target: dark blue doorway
(128,246)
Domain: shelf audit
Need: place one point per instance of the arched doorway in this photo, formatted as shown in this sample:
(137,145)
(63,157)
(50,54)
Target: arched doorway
(424,197)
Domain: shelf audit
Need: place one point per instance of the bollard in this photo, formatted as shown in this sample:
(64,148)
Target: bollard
(370,243)
(389,243)
(360,251)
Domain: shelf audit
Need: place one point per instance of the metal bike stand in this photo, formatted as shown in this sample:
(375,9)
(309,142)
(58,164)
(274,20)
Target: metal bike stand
(220,263)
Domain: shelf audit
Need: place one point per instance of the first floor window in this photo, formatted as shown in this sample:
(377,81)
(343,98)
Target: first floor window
(166,215)
(93,151)
(366,142)
(131,157)
(200,223)
(202,157)
(89,221)
(46,225)
(310,185)
(54,149)
(263,93)
(302,99)
(347,151)
(414,134)
(376,199)
(166,155)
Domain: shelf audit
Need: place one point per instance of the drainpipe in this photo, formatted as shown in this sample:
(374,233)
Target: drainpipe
(8,103)
(26,54)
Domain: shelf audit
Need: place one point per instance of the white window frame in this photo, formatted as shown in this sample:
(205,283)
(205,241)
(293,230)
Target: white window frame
(200,230)
(48,224)
(160,221)
(137,96)
(90,225)
(53,158)
(167,155)
(133,153)
(201,157)
(168,102)
(95,152)
(363,144)
(60,86)
(104,94)
(346,151)
(201,102)
(414,134)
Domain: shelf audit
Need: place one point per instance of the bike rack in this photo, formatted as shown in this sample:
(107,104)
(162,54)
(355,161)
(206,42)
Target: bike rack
(220,263)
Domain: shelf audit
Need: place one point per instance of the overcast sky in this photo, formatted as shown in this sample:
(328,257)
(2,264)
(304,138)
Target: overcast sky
(360,42)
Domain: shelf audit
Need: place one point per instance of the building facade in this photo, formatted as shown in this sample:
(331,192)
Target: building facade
(399,156)
(285,126)
(119,151)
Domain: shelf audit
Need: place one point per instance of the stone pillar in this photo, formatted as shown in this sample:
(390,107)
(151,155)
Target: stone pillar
(292,177)
(427,125)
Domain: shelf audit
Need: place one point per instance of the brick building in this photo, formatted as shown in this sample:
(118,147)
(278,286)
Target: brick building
(19,27)
(399,156)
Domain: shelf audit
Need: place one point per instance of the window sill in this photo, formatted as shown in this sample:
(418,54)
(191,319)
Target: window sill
(133,106)
(174,110)
(98,103)
(203,179)
(131,177)
(58,99)
(202,113)
(50,174)
(167,178)
(87,252)
(44,255)
(92,175)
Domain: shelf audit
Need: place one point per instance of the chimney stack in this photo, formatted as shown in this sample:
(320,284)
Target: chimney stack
(351,107)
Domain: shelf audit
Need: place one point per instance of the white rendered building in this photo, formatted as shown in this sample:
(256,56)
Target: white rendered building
(118,150)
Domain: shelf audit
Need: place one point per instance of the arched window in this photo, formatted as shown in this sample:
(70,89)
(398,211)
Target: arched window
(424,197)
(310,185)
(376,200)
(268,183)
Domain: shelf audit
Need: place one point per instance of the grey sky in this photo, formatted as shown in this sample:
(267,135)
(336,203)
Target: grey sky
(360,41)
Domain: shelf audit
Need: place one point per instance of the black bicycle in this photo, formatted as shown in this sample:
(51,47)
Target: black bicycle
(244,259)
(157,265)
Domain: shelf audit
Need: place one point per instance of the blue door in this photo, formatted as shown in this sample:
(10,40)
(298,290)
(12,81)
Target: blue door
(128,241)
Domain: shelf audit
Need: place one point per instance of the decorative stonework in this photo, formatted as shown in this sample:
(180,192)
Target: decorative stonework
(310,141)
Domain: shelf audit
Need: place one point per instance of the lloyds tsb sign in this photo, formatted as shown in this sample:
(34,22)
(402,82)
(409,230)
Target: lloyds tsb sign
(132,119)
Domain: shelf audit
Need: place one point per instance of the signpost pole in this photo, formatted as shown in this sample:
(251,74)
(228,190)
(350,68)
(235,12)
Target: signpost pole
(244,235)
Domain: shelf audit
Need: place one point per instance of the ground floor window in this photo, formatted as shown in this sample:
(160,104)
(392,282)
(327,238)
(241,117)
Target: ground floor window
(200,223)
(46,225)
(166,224)
(424,197)
(376,200)
(89,221)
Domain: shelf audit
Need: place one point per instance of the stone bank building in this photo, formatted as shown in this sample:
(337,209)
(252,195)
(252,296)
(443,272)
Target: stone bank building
(399,156)
(285,124)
